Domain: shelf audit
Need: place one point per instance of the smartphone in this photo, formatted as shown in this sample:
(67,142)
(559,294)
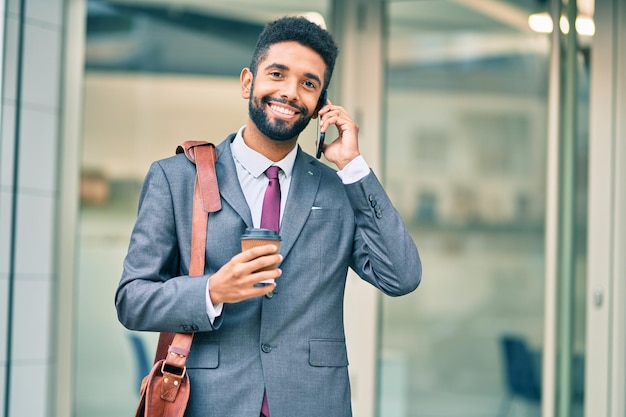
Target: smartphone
(320,142)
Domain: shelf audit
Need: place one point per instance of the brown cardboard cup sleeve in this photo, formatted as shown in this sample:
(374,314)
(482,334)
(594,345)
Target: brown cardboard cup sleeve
(252,237)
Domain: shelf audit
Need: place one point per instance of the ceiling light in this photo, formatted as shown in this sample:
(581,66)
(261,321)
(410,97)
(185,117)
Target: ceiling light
(542,23)
(585,26)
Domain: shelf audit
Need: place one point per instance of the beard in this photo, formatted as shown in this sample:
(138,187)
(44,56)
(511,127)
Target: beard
(278,130)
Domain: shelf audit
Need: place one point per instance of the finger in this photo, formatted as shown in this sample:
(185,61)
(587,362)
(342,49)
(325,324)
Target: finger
(329,106)
(266,262)
(256,251)
(262,289)
(336,116)
(266,275)
(328,120)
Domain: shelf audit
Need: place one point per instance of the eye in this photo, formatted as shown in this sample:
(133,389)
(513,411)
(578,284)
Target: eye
(275,74)
(309,84)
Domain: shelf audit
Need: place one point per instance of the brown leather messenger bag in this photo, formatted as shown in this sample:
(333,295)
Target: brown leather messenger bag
(165,390)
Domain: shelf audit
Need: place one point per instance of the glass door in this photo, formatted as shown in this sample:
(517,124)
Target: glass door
(466,156)
(155,75)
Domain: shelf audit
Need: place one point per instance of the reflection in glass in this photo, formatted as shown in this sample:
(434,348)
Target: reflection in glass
(465,157)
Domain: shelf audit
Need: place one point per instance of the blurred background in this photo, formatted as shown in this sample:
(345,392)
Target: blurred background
(474,113)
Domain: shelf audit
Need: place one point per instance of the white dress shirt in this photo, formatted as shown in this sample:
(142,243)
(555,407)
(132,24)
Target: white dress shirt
(251,166)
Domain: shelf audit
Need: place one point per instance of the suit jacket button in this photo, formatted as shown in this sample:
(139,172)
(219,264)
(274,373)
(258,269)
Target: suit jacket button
(266,348)
(269,294)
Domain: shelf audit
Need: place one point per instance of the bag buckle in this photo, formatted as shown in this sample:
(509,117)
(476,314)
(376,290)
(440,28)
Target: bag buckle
(174,370)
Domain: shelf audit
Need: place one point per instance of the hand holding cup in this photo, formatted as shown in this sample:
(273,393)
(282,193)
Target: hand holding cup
(253,237)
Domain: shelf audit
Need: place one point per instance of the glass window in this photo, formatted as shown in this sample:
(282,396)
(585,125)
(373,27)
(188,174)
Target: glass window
(465,157)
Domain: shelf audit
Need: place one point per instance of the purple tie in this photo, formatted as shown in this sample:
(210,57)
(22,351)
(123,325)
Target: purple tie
(265,411)
(270,213)
(270,219)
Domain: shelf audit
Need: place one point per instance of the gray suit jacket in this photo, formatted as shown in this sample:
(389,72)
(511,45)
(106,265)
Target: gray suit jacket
(290,342)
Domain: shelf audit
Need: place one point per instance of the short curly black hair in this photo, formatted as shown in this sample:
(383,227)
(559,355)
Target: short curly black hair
(301,30)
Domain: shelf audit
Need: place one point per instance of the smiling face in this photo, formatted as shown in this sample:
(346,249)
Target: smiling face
(284,93)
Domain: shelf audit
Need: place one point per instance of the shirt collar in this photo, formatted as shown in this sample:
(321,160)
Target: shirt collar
(256,163)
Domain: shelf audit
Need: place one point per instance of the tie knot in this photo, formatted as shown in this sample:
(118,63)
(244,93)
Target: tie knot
(272,172)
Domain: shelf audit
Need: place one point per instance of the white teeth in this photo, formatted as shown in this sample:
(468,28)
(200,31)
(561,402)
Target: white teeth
(283,110)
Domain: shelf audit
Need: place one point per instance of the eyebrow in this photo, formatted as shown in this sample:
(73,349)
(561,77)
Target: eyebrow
(286,68)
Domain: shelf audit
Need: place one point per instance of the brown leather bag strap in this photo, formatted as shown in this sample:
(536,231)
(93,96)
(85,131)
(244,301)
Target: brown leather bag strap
(204,155)
(206,199)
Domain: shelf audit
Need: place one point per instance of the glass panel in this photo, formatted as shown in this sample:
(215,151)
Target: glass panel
(465,158)
(154,76)
(574,154)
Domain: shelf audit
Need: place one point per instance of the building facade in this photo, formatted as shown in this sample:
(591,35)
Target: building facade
(502,144)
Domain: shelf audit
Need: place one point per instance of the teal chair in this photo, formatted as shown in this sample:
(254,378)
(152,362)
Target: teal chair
(522,373)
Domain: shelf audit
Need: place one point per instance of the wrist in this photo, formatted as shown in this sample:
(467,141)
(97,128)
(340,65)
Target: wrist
(343,162)
(213,293)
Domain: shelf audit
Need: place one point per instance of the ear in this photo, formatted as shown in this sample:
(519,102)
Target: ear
(321,102)
(246,79)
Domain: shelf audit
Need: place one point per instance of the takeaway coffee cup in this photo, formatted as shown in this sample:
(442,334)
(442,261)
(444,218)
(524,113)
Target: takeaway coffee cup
(258,237)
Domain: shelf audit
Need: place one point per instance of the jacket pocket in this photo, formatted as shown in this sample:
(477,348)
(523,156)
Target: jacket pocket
(324,213)
(328,352)
(204,356)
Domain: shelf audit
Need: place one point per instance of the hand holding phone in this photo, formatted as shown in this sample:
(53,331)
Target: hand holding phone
(345,147)
(320,143)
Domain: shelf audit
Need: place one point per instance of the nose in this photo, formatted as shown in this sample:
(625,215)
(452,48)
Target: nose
(289,90)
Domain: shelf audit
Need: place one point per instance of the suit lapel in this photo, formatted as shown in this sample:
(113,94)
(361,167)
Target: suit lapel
(306,180)
(230,189)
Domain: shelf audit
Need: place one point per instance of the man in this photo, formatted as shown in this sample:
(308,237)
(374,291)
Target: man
(280,346)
